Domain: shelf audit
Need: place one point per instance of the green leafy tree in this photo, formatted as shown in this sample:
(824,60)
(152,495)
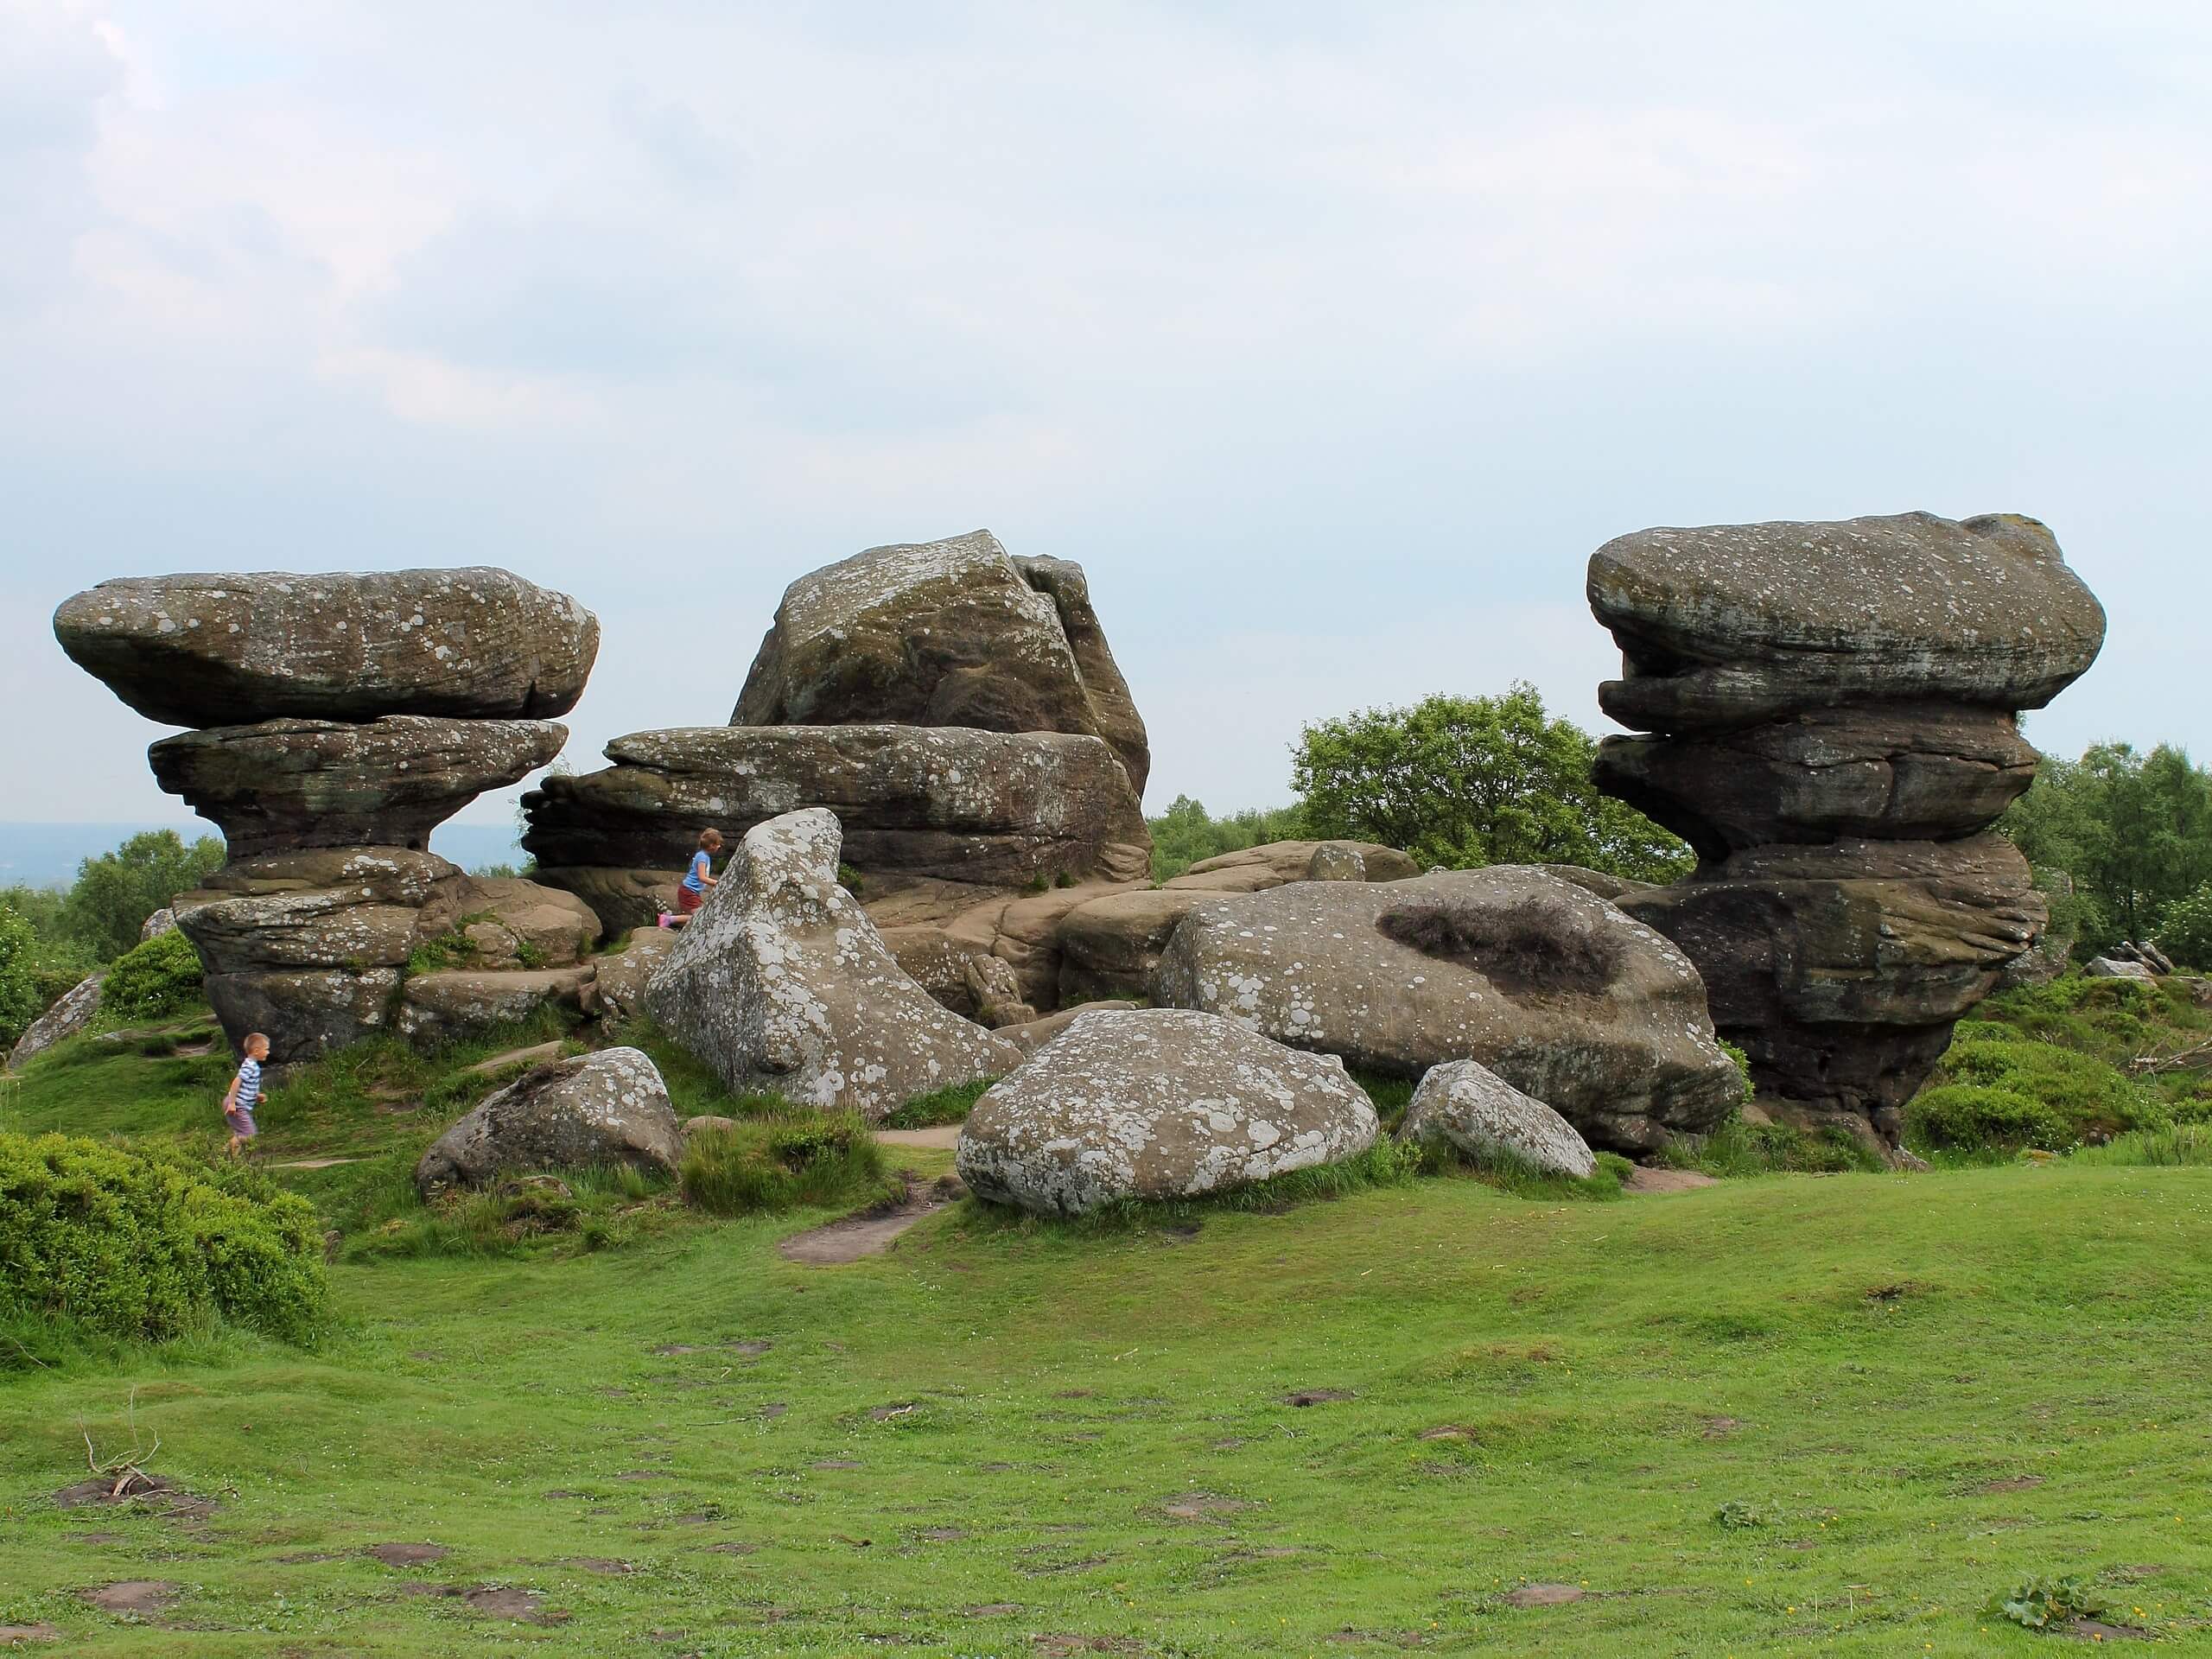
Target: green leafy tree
(1185,833)
(116,892)
(2185,934)
(1467,781)
(20,998)
(2134,830)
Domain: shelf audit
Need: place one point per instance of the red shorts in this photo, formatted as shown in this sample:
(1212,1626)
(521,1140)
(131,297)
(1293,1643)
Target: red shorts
(689,900)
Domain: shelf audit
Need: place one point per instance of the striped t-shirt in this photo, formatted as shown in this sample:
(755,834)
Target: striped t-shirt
(249,1086)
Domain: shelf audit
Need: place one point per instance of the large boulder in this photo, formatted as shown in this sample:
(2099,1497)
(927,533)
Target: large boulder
(608,1108)
(986,809)
(1467,1105)
(286,784)
(782,984)
(1110,946)
(944,634)
(1156,1103)
(456,1002)
(1834,717)
(236,649)
(77,1007)
(1554,989)
(1728,624)
(623,975)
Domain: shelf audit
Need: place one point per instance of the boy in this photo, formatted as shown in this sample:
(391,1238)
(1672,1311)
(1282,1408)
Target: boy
(244,1094)
(700,877)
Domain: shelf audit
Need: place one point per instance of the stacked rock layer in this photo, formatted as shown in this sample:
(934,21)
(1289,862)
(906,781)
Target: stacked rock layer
(958,708)
(339,719)
(1832,718)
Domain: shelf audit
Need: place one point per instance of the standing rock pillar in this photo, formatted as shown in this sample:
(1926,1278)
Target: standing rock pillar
(1831,711)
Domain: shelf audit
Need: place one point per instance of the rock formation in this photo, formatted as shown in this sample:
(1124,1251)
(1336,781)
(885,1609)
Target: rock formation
(1551,987)
(343,718)
(1156,1103)
(608,1108)
(1833,710)
(1470,1106)
(782,985)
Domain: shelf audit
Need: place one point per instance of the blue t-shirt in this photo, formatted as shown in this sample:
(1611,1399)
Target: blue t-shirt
(701,865)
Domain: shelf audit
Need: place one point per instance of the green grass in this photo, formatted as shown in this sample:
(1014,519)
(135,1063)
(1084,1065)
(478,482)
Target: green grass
(1783,1414)
(950,1104)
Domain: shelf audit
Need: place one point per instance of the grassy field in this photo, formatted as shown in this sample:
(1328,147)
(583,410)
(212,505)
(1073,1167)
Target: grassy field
(1795,1413)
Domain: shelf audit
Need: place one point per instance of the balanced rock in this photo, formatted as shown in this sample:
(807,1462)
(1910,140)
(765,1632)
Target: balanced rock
(1469,1106)
(236,649)
(286,784)
(1554,989)
(1833,710)
(944,634)
(1729,624)
(782,984)
(608,1108)
(1155,1103)
(987,809)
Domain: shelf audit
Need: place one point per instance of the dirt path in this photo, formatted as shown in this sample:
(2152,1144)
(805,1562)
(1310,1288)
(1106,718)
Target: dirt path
(862,1235)
(939,1137)
(1667,1180)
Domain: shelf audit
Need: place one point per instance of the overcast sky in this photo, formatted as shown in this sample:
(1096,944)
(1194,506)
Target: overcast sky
(1329,338)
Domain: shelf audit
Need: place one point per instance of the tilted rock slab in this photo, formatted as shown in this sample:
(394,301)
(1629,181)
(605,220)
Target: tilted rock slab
(608,1108)
(1470,1106)
(233,650)
(782,984)
(1729,624)
(76,1010)
(991,809)
(944,634)
(1840,969)
(1628,1057)
(1155,1103)
(285,784)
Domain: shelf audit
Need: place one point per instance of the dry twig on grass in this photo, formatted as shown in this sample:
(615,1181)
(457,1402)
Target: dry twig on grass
(128,1470)
(2195,1059)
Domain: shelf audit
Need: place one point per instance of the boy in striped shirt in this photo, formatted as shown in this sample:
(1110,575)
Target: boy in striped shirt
(245,1094)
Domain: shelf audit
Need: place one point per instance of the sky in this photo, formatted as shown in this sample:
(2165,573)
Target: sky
(1331,339)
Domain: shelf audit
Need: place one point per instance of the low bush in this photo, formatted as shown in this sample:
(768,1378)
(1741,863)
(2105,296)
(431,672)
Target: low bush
(1737,1150)
(781,1164)
(2004,1092)
(2185,931)
(159,977)
(149,1248)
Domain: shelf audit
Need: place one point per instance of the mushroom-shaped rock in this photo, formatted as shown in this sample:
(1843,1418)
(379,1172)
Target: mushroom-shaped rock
(608,1108)
(284,784)
(944,634)
(782,984)
(236,649)
(1470,1106)
(1157,1104)
(1550,986)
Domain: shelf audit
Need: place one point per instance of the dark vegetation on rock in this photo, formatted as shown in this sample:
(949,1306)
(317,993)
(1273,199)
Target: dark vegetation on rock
(1518,947)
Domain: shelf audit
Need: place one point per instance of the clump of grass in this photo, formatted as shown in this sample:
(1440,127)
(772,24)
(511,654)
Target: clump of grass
(1391,1096)
(693,1088)
(779,1165)
(950,1104)
(2176,1146)
(1737,1151)
(1509,1171)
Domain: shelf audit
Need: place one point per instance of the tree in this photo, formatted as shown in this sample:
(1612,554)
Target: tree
(1467,781)
(19,1001)
(2133,830)
(1185,833)
(116,892)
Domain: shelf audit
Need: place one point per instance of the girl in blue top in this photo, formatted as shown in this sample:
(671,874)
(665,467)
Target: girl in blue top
(700,877)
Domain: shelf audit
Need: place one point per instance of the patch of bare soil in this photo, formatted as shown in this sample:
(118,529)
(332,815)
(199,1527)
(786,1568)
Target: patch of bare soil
(1660,1181)
(1059,1647)
(21,1636)
(493,1601)
(870,1233)
(407,1554)
(136,1488)
(2095,1629)
(837,1463)
(941,1535)
(1447,1431)
(729,1549)
(939,1137)
(1318,1396)
(1544,1595)
(1719,1428)
(2015,1483)
(1201,1506)
(144,1596)
(993,1610)
(601,1566)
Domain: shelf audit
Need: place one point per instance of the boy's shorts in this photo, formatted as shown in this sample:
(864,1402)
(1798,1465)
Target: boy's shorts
(241,1124)
(689,900)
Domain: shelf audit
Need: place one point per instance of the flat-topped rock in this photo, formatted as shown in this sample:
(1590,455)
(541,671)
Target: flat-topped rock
(953,632)
(782,985)
(987,809)
(1727,623)
(1276,863)
(464,1001)
(234,650)
(1156,1103)
(283,784)
(1558,992)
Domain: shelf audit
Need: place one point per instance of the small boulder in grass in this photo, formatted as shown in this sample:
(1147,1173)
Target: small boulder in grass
(608,1108)
(1466,1104)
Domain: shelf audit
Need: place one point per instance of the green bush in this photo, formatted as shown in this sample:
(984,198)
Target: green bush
(2012,1091)
(149,1248)
(149,980)
(20,998)
(784,1164)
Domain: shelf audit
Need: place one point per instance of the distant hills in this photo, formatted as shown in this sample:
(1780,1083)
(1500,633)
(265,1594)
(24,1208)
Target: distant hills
(47,854)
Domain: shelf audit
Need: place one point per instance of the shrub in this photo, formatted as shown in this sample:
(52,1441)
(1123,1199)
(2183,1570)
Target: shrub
(149,980)
(1993,1092)
(2186,931)
(1743,1062)
(19,1001)
(147,1247)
